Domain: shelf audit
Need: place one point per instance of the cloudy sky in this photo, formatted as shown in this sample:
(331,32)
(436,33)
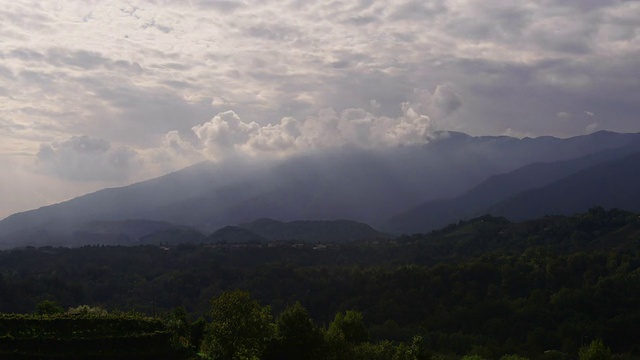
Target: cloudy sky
(99,94)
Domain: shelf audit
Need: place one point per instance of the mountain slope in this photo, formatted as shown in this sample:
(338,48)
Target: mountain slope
(613,184)
(438,213)
(366,186)
(235,234)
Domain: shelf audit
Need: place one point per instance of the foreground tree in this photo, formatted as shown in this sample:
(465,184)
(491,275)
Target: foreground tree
(48,307)
(349,326)
(240,327)
(595,351)
(344,334)
(297,337)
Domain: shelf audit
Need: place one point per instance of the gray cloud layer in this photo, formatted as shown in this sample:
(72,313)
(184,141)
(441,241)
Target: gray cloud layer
(167,83)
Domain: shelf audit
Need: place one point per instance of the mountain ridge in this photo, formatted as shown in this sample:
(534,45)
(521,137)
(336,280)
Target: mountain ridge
(368,186)
(477,201)
(612,184)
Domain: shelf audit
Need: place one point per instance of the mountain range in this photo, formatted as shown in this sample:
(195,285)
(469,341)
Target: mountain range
(608,178)
(400,189)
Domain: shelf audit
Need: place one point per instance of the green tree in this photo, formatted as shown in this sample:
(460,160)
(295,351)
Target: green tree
(345,332)
(513,357)
(86,310)
(409,352)
(350,327)
(366,351)
(197,331)
(48,307)
(472,357)
(240,327)
(297,337)
(595,351)
(177,323)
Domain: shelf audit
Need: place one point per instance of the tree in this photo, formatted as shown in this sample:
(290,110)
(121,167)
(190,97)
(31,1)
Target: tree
(178,325)
(297,337)
(48,307)
(240,327)
(595,351)
(513,357)
(345,333)
(349,326)
(367,351)
(86,310)
(472,357)
(409,352)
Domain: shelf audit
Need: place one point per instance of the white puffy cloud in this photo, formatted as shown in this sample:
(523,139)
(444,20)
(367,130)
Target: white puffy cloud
(445,100)
(226,134)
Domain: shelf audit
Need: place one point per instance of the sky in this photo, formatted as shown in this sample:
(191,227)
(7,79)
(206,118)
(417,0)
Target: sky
(97,94)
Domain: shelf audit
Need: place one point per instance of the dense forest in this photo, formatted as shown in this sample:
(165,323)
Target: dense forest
(555,287)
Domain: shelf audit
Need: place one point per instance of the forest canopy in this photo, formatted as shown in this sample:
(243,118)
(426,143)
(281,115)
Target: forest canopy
(485,287)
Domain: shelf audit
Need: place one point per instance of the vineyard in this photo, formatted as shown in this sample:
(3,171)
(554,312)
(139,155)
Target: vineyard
(65,336)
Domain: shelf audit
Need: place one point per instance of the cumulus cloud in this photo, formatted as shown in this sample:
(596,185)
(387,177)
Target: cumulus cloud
(440,105)
(563,115)
(82,158)
(445,100)
(226,134)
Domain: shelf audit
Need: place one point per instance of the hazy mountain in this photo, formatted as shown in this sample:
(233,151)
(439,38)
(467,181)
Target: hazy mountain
(441,212)
(173,235)
(366,186)
(235,234)
(312,231)
(613,184)
(268,230)
(123,232)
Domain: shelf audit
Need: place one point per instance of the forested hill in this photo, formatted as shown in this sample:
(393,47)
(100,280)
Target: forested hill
(486,286)
(313,231)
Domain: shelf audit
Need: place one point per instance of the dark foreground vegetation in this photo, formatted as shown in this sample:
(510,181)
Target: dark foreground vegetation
(552,288)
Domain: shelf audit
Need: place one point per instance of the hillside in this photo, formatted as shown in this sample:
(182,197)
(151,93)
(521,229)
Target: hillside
(484,286)
(613,184)
(364,186)
(479,200)
(334,231)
